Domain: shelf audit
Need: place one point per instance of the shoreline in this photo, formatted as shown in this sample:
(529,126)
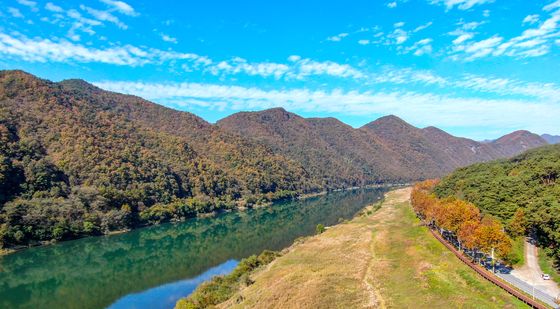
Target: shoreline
(187,301)
(12,250)
(380,258)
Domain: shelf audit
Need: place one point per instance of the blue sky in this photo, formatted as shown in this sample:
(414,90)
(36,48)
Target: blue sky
(476,68)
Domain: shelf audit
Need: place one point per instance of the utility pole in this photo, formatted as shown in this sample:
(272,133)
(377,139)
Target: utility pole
(493,263)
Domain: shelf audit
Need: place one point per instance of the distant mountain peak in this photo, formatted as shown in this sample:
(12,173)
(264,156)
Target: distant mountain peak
(551,139)
(517,135)
(390,124)
(22,78)
(388,119)
(78,84)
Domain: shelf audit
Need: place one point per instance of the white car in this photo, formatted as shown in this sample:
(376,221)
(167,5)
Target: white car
(546,276)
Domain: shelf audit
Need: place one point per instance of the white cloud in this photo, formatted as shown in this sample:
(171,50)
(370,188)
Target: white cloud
(552,6)
(409,76)
(392,5)
(461,4)
(239,65)
(15,12)
(470,25)
(486,13)
(363,42)
(422,27)
(121,7)
(31,4)
(531,19)
(420,108)
(82,20)
(462,38)
(399,24)
(422,47)
(168,38)
(338,37)
(104,16)
(294,58)
(400,36)
(299,68)
(471,83)
(53,8)
(532,42)
(46,50)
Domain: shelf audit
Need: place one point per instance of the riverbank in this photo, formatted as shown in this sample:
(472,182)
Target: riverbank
(166,262)
(14,249)
(381,258)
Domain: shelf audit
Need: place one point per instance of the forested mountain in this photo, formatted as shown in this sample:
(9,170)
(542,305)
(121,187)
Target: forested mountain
(387,149)
(77,160)
(329,150)
(526,187)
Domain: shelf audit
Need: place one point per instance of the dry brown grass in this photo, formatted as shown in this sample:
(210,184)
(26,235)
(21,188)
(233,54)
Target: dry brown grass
(384,260)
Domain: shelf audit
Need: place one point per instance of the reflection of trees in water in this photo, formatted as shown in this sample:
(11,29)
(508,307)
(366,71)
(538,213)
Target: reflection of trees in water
(94,272)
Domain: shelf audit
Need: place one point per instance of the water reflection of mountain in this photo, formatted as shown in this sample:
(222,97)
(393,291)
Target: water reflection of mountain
(94,272)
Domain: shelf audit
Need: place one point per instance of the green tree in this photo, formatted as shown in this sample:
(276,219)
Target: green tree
(320,228)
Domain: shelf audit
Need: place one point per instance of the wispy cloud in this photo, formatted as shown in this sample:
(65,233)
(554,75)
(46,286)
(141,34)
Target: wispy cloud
(30,4)
(399,35)
(460,4)
(338,37)
(421,47)
(298,68)
(421,108)
(104,16)
(474,84)
(532,42)
(15,12)
(168,38)
(46,50)
(86,18)
(121,7)
(422,27)
(53,7)
(531,19)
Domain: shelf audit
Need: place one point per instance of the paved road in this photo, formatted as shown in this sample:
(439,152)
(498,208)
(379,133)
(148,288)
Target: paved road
(528,278)
(529,289)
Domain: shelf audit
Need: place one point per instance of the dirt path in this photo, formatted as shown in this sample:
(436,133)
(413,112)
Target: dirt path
(532,274)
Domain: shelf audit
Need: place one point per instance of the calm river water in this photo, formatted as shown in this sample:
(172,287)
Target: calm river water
(153,267)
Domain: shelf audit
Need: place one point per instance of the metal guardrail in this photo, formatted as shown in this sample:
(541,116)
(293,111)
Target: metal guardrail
(489,276)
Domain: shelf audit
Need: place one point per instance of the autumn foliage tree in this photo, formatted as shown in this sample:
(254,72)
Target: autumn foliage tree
(490,235)
(517,226)
(462,219)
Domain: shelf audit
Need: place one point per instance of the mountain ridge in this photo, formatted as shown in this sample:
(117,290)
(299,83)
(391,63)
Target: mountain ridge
(390,145)
(551,139)
(110,161)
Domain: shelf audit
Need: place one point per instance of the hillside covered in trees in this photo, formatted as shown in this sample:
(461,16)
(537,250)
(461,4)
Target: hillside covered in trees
(76,160)
(387,149)
(524,192)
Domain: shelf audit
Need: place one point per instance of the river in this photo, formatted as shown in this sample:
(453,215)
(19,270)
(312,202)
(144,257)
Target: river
(152,267)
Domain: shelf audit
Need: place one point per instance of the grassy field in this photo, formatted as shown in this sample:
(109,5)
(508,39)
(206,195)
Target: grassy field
(518,249)
(545,263)
(381,259)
